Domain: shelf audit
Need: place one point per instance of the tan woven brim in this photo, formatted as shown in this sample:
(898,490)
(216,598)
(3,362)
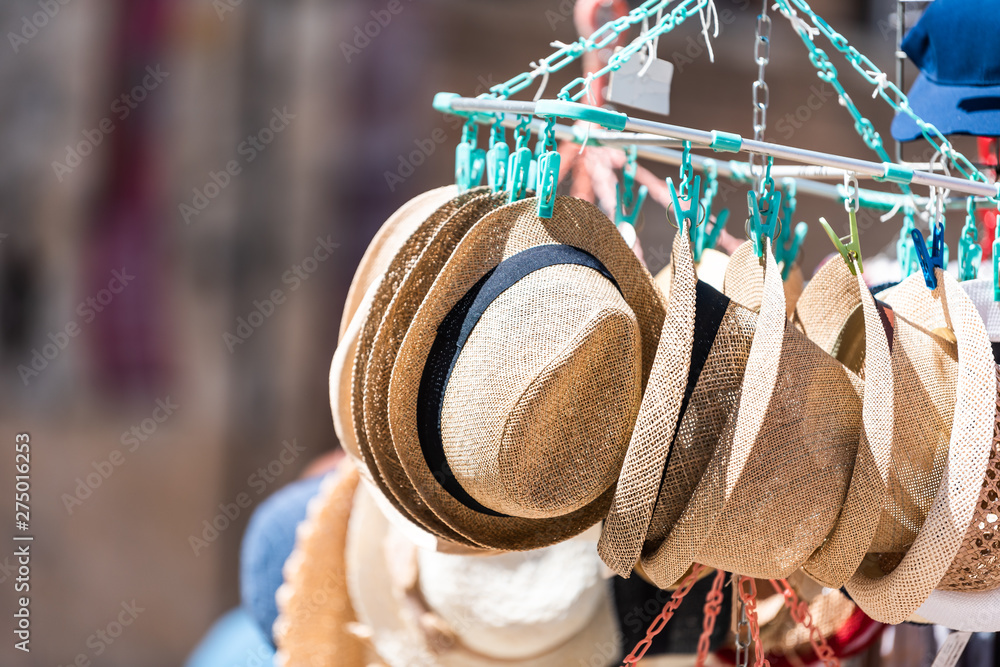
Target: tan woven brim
(711,269)
(774,487)
(386,474)
(400,643)
(895,596)
(499,235)
(313,603)
(826,306)
(341,369)
(744,281)
(627,521)
(387,242)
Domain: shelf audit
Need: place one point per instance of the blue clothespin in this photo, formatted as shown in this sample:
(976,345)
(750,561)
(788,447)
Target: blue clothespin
(759,227)
(970,253)
(906,254)
(693,211)
(707,235)
(629,201)
(548,171)
(935,260)
(496,158)
(470,162)
(519,163)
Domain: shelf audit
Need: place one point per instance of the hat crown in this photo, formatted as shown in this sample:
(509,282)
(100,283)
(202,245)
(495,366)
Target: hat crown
(542,399)
(955,42)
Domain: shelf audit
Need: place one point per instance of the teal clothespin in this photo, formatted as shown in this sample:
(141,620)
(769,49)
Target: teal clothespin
(690,194)
(470,162)
(707,235)
(548,171)
(996,261)
(970,253)
(519,163)
(929,262)
(789,241)
(496,157)
(905,252)
(629,201)
(851,251)
(760,227)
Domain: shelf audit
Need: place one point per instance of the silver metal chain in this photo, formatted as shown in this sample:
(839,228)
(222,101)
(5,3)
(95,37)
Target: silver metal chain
(743,635)
(761,93)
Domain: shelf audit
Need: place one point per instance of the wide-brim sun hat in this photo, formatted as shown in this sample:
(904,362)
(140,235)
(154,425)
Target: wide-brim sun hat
(890,590)
(546,607)
(517,384)
(776,481)
(839,313)
(385,473)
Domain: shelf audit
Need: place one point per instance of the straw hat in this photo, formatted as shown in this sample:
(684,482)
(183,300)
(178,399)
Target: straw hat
(387,242)
(546,607)
(443,228)
(837,312)
(314,608)
(517,384)
(774,486)
(912,551)
(744,280)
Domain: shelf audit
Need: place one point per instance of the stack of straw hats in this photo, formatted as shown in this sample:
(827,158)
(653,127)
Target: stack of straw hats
(505,382)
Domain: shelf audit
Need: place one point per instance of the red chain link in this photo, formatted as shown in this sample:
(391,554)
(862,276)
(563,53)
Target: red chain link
(661,620)
(800,614)
(748,594)
(713,604)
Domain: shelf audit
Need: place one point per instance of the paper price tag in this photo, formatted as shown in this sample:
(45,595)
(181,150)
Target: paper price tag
(951,649)
(649,92)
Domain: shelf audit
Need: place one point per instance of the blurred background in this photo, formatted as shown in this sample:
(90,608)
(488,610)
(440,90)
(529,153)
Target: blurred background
(168,166)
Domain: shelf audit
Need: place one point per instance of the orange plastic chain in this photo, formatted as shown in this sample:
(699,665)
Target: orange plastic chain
(713,604)
(747,590)
(800,614)
(656,627)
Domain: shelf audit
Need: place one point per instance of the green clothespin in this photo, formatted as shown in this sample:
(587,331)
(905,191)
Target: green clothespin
(789,241)
(548,171)
(470,162)
(519,163)
(851,252)
(706,236)
(496,157)
(629,202)
(905,252)
(970,253)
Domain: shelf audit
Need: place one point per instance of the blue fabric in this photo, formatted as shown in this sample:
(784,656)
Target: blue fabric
(955,45)
(267,543)
(234,641)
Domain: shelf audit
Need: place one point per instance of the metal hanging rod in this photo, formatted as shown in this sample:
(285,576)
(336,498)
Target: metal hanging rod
(719,141)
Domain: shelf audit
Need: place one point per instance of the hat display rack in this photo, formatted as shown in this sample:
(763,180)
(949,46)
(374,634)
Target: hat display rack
(953,181)
(658,141)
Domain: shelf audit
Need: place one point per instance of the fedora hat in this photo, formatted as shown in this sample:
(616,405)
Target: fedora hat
(839,314)
(744,280)
(314,609)
(776,480)
(516,386)
(958,89)
(549,606)
(441,230)
(943,436)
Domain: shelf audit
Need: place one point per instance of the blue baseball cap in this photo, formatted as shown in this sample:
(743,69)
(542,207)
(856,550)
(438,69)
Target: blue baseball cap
(956,45)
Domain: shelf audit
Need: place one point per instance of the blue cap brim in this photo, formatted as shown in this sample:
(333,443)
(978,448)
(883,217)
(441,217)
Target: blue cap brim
(971,110)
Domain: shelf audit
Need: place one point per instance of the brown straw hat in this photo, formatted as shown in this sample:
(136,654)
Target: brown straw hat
(445,225)
(838,313)
(775,483)
(661,471)
(890,587)
(517,384)
(313,603)
(387,242)
(744,280)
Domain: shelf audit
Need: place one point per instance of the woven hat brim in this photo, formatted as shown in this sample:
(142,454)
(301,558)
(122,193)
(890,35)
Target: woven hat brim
(744,280)
(314,607)
(386,243)
(497,236)
(341,369)
(389,479)
(895,596)
(827,303)
(966,611)
(400,644)
(763,505)
(627,521)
